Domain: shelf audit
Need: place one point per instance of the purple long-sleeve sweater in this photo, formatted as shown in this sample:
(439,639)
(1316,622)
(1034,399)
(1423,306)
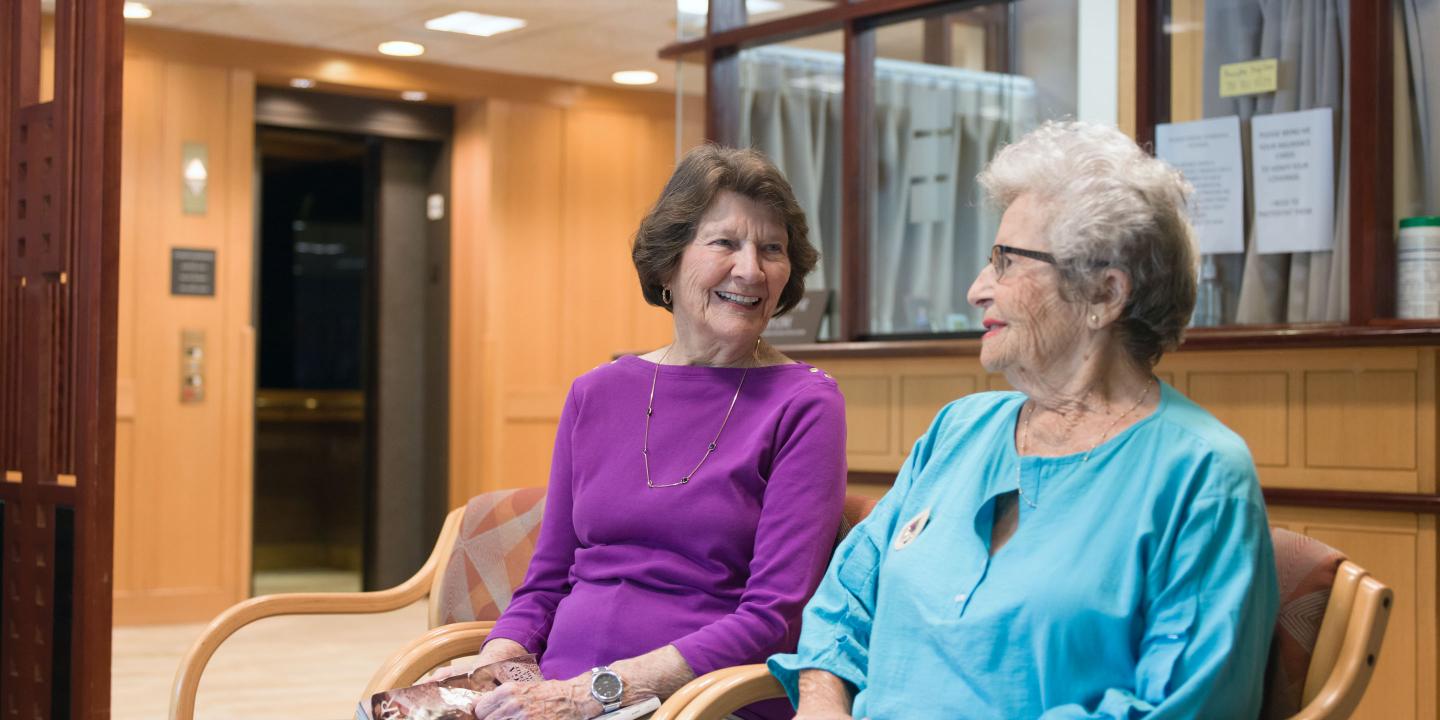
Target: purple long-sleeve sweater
(720,567)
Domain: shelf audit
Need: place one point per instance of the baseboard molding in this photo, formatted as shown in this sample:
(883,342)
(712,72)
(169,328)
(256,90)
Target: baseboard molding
(171,607)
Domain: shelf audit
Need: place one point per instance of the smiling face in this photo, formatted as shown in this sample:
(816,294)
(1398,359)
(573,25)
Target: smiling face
(731,274)
(1029,327)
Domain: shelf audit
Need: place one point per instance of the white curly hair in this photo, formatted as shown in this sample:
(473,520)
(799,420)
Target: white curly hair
(1108,204)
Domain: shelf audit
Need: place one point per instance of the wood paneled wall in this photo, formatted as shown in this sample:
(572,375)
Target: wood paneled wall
(1332,419)
(549,180)
(183,471)
(544,291)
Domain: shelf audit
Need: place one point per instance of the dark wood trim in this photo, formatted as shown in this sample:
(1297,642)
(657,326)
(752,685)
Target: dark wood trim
(1352,500)
(872,477)
(1260,337)
(1152,65)
(98,61)
(811,23)
(857,188)
(722,74)
(1279,497)
(937,43)
(1372,173)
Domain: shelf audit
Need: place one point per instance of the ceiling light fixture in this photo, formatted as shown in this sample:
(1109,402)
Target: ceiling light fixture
(414,96)
(136,11)
(302,83)
(635,77)
(401,48)
(752,7)
(473,23)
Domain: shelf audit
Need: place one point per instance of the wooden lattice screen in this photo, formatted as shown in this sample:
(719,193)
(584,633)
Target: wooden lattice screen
(59,207)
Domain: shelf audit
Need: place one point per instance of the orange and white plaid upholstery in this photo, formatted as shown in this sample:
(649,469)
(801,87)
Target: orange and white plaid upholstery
(497,538)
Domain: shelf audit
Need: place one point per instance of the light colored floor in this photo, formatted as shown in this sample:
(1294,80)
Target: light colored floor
(295,668)
(290,581)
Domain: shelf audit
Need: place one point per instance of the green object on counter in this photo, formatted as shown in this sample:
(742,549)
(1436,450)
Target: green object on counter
(1421,221)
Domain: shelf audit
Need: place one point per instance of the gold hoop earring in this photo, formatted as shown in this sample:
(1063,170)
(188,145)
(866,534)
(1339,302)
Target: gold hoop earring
(666,297)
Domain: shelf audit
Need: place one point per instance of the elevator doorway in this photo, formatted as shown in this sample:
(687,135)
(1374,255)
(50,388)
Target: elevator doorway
(352,316)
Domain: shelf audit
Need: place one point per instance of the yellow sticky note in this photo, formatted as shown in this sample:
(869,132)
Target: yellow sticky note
(1249,78)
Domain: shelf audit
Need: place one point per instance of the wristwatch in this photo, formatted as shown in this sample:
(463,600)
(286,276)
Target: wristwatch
(606,687)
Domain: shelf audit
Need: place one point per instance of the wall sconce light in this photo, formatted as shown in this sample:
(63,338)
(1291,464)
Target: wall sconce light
(194,162)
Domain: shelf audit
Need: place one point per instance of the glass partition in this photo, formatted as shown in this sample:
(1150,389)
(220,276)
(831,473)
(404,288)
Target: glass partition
(951,89)
(1281,74)
(790,109)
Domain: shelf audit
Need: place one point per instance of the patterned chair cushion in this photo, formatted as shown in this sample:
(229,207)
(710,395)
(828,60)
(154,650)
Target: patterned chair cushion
(856,508)
(1306,570)
(497,538)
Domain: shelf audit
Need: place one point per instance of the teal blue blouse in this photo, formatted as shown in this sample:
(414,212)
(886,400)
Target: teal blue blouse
(1141,585)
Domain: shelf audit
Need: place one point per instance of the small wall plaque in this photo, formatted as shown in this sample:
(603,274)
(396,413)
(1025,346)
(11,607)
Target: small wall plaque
(192,272)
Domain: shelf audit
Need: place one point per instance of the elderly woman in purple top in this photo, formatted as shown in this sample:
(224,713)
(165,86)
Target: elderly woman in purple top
(695,490)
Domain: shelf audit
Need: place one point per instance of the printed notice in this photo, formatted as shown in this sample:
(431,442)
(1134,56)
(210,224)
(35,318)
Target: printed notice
(1208,153)
(1293,173)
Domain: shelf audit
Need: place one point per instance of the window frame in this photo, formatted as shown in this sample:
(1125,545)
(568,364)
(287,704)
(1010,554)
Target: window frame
(1371,318)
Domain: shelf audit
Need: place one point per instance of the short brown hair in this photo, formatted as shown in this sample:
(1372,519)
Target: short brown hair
(670,226)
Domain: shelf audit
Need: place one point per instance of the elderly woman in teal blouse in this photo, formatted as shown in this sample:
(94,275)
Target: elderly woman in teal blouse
(1092,546)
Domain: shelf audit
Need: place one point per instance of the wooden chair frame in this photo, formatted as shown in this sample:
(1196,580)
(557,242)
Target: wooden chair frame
(1340,668)
(430,645)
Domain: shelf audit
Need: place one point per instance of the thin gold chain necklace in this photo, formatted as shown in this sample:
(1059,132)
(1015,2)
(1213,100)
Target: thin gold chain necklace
(1025,436)
(710,449)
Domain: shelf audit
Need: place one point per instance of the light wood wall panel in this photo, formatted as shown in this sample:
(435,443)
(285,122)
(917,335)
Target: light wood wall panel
(1334,419)
(181,470)
(522,146)
(566,188)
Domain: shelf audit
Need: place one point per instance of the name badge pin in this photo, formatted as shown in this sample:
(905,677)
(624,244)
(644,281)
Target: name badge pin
(911,530)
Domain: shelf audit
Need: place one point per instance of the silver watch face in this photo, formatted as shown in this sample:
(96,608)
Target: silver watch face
(606,686)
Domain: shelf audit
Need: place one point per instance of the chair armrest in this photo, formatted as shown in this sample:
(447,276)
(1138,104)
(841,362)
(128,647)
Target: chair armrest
(187,677)
(1365,631)
(720,693)
(682,697)
(439,645)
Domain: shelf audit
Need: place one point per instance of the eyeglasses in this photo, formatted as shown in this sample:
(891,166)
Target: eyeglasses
(1000,261)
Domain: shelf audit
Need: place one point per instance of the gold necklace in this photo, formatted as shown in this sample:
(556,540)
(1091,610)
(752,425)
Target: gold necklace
(1025,436)
(710,449)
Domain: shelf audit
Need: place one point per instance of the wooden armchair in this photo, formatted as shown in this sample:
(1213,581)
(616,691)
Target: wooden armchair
(1345,645)
(480,557)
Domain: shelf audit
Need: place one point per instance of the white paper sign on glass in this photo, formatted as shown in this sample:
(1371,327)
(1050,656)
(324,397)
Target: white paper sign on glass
(1293,173)
(1208,153)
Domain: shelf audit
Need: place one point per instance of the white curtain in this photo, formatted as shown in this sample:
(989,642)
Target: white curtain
(790,109)
(1424,85)
(1311,41)
(936,127)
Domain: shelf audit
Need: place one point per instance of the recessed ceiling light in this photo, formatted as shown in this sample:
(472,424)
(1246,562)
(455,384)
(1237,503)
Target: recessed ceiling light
(402,48)
(752,7)
(473,23)
(136,11)
(635,77)
(414,95)
(302,83)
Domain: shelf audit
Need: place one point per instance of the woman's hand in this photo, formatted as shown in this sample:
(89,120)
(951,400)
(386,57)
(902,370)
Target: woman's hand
(493,651)
(547,700)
